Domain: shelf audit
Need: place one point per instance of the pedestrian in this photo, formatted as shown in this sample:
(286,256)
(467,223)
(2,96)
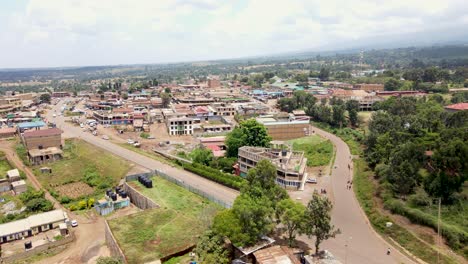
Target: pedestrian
(388,251)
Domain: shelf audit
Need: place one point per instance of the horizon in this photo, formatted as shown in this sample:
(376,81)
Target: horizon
(57,34)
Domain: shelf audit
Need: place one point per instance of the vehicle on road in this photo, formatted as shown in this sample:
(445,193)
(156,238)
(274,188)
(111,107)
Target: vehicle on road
(105,137)
(151,137)
(137,144)
(130,141)
(81,125)
(94,133)
(312,180)
(54,115)
(74,223)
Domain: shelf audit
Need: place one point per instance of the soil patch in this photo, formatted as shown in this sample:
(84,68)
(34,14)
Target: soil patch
(75,190)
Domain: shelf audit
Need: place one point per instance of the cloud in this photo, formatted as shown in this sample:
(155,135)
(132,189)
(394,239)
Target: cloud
(83,32)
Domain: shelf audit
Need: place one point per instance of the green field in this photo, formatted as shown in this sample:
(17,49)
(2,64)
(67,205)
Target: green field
(80,159)
(4,165)
(318,151)
(156,233)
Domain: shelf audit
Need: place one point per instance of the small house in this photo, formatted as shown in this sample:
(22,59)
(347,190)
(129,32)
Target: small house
(13,175)
(19,186)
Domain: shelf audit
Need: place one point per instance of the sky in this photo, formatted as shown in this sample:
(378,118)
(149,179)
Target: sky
(51,33)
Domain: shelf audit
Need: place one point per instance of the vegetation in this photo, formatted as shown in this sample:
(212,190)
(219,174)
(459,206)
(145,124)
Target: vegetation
(201,155)
(182,217)
(210,249)
(248,133)
(317,150)
(45,98)
(108,260)
(226,179)
(144,135)
(292,215)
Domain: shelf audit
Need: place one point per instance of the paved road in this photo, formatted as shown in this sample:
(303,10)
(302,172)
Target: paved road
(364,245)
(220,192)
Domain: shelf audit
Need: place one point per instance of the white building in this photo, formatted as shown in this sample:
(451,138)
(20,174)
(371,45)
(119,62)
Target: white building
(180,126)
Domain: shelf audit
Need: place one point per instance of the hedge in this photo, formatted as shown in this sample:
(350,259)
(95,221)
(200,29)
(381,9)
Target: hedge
(225,179)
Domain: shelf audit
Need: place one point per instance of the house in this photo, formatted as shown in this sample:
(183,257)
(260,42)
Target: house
(7,132)
(30,125)
(13,175)
(43,145)
(457,107)
(285,127)
(369,87)
(290,165)
(19,186)
(213,83)
(32,225)
(277,255)
(60,94)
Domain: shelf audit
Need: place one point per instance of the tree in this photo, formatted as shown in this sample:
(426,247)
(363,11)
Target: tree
(338,117)
(39,205)
(324,74)
(291,215)
(108,260)
(317,220)
(45,98)
(166,99)
(353,107)
(392,85)
(210,249)
(227,224)
(201,155)
(248,133)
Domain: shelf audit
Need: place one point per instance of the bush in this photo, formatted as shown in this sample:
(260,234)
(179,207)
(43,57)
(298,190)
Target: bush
(39,205)
(65,200)
(73,207)
(144,135)
(225,179)
(90,202)
(82,205)
(420,198)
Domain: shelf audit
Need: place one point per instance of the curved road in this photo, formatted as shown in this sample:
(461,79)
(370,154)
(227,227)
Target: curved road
(365,246)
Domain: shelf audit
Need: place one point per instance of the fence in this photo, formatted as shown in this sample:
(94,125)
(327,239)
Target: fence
(139,199)
(192,189)
(52,246)
(112,244)
(170,156)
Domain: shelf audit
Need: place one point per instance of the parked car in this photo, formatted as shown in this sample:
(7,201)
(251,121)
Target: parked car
(130,141)
(81,125)
(105,137)
(312,180)
(74,223)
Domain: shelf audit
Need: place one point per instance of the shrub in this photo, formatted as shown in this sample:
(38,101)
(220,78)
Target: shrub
(144,135)
(73,207)
(82,205)
(420,198)
(90,202)
(65,200)
(225,179)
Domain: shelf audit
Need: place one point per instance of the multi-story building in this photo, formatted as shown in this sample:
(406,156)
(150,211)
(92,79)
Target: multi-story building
(214,83)
(290,165)
(222,109)
(60,94)
(285,127)
(180,126)
(43,145)
(369,87)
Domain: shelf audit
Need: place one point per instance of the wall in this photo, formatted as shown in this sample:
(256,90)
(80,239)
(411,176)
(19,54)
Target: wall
(39,249)
(139,199)
(45,141)
(287,131)
(112,244)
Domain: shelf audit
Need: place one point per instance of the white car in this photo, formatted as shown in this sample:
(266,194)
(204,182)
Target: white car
(74,223)
(130,141)
(311,180)
(105,137)
(81,125)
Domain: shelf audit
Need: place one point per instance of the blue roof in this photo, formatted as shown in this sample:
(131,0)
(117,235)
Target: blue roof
(31,124)
(257,92)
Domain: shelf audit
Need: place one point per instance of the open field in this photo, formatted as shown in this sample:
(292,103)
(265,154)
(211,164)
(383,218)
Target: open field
(74,190)
(84,163)
(156,233)
(318,151)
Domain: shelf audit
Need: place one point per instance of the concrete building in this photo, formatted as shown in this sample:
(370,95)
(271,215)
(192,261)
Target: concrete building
(32,225)
(222,109)
(13,175)
(19,187)
(213,83)
(60,94)
(43,145)
(180,126)
(285,127)
(290,165)
(369,87)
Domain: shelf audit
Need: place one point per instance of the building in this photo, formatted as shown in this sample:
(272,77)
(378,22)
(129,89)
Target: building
(290,165)
(7,132)
(32,225)
(285,127)
(30,125)
(277,255)
(369,87)
(457,107)
(222,109)
(366,100)
(43,145)
(42,139)
(180,126)
(13,175)
(60,94)
(214,83)
(19,187)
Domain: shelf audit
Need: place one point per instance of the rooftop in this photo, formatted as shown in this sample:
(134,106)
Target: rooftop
(291,161)
(32,124)
(275,255)
(459,106)
(32,221)
(42,133)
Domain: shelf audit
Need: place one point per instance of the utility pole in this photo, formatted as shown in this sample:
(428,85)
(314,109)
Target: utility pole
(438,233)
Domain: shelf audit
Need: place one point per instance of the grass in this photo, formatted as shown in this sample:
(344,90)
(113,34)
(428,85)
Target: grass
(156,233)
(179,260)
(151,155)
(4,165)
(317,150)
(79,158)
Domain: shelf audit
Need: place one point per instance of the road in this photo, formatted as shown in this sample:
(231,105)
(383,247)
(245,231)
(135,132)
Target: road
(218,191)
(365,246)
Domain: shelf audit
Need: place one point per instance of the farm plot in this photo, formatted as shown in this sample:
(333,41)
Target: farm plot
(156,233)
(74,190)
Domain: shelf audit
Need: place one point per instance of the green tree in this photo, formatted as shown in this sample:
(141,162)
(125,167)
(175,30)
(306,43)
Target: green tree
(248,133)
(392,85)
(324,74)
(39,205)
(338,117)
(45,98)
(166,99)
(201,155)
(353,107)
(317,220)
(291,215)
(210,249)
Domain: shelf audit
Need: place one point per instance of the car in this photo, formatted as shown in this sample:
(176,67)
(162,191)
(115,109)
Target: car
(74,223)
(81,125)
(151,137)
(130,141)
(311,180)
(105,137)
(54,115)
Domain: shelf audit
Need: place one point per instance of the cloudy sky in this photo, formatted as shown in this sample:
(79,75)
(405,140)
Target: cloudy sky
(44,33)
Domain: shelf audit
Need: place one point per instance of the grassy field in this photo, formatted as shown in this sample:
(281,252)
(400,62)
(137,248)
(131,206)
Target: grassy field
(318,151)
(4,165)
(153,234)
(80,159)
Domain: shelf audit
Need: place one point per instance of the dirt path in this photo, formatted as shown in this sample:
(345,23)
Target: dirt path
(90,237)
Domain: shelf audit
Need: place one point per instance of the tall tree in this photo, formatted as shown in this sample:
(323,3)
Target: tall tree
(353,107)
(210,249)
(166,99)
(324,74)
(392,85)
(248,133)
(291,215)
